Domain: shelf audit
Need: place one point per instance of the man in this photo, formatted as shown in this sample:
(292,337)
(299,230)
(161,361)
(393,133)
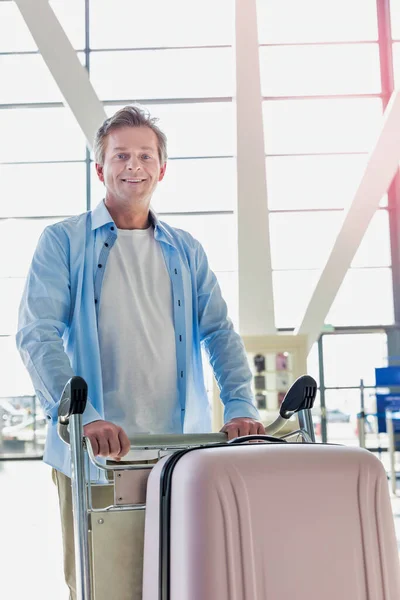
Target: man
(125,301)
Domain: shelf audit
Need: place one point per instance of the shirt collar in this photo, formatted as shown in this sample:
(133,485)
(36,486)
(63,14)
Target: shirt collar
(101,216)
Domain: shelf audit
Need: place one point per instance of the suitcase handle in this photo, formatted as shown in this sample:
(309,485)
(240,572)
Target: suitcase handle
(262,438)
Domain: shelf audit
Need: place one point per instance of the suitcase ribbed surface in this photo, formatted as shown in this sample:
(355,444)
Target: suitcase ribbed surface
(275,522)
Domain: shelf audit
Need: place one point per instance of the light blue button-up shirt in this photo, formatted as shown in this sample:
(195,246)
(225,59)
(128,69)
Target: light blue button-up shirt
(58,335)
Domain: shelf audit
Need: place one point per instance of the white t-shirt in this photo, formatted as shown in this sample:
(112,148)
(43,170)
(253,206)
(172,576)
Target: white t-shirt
(137,338)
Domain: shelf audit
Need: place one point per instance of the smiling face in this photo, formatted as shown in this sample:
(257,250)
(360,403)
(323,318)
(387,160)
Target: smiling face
(131,169)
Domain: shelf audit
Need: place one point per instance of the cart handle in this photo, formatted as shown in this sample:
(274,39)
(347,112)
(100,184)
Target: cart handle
(299,398)
(258,437)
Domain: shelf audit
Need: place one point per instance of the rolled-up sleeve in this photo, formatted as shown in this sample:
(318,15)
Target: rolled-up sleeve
(223,345)
(44,315)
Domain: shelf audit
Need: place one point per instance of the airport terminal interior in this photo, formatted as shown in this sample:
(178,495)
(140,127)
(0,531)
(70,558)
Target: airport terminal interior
(281,118)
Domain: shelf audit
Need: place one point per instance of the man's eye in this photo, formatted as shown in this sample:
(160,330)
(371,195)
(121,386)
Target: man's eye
(146,156)
(122,156)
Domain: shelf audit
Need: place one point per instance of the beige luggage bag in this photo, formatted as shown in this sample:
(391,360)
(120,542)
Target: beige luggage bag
(270,522)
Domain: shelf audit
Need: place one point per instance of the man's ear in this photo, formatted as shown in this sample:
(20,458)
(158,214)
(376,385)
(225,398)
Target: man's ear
(100,172)
(162,172)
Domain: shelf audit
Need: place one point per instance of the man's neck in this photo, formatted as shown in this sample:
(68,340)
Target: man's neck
(128,218)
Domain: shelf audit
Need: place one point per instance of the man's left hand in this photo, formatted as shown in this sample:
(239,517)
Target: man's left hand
(241,426)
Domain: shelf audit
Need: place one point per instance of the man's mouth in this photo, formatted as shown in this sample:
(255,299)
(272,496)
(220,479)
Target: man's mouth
(136,180)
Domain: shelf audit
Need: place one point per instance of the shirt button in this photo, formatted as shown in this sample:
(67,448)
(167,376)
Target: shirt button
(99,266)
(112,228)
(106,245)
(95,301)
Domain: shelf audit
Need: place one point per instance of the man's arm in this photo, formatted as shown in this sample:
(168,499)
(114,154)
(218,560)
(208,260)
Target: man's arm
(45,313)
(226,353)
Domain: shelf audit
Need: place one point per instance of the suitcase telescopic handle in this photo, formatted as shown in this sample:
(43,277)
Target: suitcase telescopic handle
(259,437)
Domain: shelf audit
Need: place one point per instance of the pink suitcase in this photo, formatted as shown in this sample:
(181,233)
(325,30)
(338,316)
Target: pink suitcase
(270,522)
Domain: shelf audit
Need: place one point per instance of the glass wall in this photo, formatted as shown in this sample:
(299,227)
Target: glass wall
(322,93)
(322,107)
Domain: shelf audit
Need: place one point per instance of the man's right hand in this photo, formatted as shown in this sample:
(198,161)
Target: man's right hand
(107,439)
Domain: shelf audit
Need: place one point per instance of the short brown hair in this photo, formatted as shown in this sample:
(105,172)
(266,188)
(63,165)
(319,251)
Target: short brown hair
(132,115)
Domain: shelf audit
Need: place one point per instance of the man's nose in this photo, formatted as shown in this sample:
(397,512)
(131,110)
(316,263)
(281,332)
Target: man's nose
(133,163)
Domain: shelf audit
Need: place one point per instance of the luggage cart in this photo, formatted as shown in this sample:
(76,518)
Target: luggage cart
(129,480)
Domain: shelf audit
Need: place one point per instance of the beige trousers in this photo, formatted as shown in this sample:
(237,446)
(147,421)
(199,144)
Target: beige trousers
(102,496)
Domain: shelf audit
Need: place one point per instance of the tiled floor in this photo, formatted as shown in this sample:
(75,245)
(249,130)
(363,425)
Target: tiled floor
(30,551)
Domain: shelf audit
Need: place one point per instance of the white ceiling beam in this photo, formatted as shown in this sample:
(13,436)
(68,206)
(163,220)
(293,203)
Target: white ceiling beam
(256,302)
(61,58)
(382,166)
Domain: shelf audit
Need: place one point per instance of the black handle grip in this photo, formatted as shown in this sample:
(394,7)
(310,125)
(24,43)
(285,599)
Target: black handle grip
(258,436)
(300,396)
(73,399)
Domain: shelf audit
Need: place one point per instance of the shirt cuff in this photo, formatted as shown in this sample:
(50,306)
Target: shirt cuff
(240,408)
(90,414)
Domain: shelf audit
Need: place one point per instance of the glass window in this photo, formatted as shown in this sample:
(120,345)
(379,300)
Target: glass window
(374,250)
(159,74)
(313,363)
(217,234)
(18,240)
(304,182)
(291,21)
(308,126)
(195,130)
(160,24)
(16,37)
(302,240)
(342,407)
(10,296)
(14,380)
(39,134)
(47,189)
(27,79)
(395,18)
(305,240)
(97,189)
(364,298)
(396,64)
(14,33)
(347,402)
(206,184)
(320,70)
(71,15)
(292,293)
(351,357)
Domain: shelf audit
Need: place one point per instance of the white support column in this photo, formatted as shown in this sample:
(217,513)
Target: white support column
(256,304)
(380,170)
(63,63)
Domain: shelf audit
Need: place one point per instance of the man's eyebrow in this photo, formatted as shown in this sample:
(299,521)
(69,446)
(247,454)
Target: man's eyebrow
(121,148)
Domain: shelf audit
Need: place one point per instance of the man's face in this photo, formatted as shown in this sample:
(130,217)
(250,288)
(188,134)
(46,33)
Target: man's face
(131,167)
